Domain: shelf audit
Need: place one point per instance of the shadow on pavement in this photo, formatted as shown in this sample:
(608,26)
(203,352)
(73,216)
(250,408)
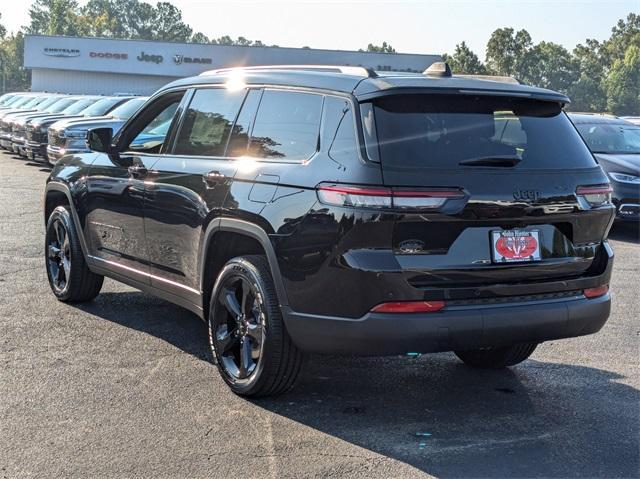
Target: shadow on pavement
(535,420)
(153,316)
(628,231)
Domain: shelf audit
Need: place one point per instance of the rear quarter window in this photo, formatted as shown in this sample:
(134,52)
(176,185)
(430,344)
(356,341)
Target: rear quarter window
(441,131)
(287,126)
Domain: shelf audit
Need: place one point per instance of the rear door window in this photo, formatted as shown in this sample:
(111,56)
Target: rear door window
(207,122)
(441,131)
(287,126)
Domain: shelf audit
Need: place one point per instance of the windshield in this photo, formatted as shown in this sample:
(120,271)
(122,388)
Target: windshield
(60,105)
(33,101)
(453,131)
(7,99)
(21,101)
(611,137)
(126,110)
(101,107)
(78,106)
(48,102)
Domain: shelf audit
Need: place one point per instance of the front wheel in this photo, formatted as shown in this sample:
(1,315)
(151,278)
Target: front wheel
(497,358)
(253,351)
(69,276)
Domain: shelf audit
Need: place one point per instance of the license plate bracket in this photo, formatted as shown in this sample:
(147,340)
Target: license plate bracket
(511,246)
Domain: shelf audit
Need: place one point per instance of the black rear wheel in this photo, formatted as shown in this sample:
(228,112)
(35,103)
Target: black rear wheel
(249,341)
(497,358)
(69,277)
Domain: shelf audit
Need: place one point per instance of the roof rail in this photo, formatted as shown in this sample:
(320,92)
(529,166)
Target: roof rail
(347,70)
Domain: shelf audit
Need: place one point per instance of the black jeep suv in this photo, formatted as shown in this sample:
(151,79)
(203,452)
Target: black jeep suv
(334,209)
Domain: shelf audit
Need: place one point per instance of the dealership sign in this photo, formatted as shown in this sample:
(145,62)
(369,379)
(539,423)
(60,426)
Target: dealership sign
(180,59)
(145,57)
(62,52)
(109,55)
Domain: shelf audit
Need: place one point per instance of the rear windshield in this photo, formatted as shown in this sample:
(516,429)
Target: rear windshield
(611,138)
(443,131)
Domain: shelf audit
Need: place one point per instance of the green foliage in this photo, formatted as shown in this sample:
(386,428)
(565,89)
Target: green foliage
(3,31)
(464,61)
(384,48)
(507,52)
(597,76)
(622,85)
(16,78)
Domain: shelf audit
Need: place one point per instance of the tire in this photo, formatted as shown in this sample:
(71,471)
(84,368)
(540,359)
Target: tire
(497,358)
(250,344)
(69,277)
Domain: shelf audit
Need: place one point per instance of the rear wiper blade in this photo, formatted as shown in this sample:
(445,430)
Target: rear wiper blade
(496,160)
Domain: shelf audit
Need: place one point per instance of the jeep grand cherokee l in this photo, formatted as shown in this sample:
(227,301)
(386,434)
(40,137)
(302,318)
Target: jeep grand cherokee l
(334,209)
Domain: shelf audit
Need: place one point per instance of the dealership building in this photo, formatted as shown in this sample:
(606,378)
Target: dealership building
(106,66)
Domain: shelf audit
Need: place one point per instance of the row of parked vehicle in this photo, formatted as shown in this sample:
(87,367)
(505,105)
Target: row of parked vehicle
(46,126)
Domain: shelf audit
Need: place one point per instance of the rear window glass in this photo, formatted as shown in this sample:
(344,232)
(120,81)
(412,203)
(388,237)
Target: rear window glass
(287,126)
(338,132)
(441,131)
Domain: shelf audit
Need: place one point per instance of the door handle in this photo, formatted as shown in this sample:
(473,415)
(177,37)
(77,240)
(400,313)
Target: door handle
(213,178)
(137,171)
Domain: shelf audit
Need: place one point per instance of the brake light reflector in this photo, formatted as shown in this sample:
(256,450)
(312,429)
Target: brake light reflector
(385,198)
(595,195)
(596,292)
(409,307)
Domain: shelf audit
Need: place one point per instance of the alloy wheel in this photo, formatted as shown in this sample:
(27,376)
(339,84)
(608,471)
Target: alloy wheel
(240,327)
(59,255)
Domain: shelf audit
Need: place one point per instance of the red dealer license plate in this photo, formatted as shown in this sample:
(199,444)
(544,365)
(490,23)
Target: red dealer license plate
(515,245)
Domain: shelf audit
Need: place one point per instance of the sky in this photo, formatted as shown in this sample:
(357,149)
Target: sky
(409,26)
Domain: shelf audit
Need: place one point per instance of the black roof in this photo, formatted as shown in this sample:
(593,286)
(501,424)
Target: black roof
(368,84)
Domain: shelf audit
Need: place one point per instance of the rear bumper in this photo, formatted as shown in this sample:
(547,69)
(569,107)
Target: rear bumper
(455,328)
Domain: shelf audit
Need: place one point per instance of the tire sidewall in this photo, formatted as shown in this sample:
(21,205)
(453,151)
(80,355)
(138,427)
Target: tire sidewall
(239,267)
(61,214)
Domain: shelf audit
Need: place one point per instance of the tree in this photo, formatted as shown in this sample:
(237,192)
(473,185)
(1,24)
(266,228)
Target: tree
(623,35)
(169,25)
(199,37)
(622,85)
(55,17)
(587,93)
(16,78)
(506,52)
(550,65)
(3,31)
(465,61)
(384,48)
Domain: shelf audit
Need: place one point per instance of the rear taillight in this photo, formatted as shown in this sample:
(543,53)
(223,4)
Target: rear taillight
(596,292)
(595,195)
(386,198)
(409,307)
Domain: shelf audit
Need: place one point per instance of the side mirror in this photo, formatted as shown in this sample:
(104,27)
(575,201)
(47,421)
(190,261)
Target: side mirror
(99,139)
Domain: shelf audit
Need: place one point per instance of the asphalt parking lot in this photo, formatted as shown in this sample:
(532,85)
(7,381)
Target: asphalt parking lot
(123,387)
